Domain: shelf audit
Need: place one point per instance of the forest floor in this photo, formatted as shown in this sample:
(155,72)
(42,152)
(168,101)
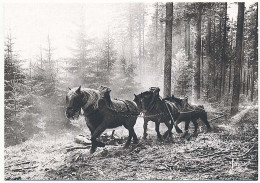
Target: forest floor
(229,152)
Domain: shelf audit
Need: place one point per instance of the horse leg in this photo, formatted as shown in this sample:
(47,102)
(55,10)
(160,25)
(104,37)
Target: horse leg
(187,123)
(129,138)
(100,129)
(145,128)
(195,133)
(205,120)
(157,127)
(169,131)
(135,137)
(90,126)
(178,130)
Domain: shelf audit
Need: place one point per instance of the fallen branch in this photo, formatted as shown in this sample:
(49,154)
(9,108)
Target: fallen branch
(217,117)
(240,156)
(79,147)
(248,151)
(20,169)
(216,153)
(48,162)
(27,162)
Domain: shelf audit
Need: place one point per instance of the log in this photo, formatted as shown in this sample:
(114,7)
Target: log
(21,163)
(25,168)
(216,153)
(217,117)
(80,139)
(78,147)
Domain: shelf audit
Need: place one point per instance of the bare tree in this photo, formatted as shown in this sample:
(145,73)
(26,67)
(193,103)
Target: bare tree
(168,49)
(237,63)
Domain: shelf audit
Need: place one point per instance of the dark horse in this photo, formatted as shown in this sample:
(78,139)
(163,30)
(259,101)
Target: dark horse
(155,109)
(101,112)
(189,113)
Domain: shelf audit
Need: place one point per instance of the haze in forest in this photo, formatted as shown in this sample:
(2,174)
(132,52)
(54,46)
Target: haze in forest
(52,46)
(60,21)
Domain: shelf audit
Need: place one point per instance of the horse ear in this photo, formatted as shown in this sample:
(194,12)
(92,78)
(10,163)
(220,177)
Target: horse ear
(156,92)
(78,90)
(69,88)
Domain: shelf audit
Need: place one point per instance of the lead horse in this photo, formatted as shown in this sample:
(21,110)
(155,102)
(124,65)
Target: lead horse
(101,112)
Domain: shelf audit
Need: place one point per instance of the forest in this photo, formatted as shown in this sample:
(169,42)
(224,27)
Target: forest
(207,52)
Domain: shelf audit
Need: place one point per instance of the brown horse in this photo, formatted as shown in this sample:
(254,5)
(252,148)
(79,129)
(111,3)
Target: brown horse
(189,113)
(155,109)
(101,112)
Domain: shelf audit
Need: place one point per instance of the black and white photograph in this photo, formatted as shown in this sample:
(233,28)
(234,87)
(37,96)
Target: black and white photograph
(130,90)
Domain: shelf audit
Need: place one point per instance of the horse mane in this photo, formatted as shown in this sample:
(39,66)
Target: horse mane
(178,100)
(92,96)
(146,92)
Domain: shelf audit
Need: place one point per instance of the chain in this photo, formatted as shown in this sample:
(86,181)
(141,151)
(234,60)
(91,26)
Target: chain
(141,115)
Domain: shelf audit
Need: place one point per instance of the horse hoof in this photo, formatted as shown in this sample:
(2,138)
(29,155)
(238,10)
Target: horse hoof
(209,130)
(100,144)
(178,130)
(184,135)
(165,135)
(126,146)
(188,139)
(135,142)
(92,151)
(159,138)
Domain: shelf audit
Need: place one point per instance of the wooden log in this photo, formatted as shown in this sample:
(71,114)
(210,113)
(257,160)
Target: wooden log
(217,117)
(78,147)
(25,168)
(21,163)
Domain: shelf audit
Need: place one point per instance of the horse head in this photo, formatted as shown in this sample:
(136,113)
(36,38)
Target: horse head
(74,102)
(146,100)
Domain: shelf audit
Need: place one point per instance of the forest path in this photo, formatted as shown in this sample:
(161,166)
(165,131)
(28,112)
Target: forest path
(229,152)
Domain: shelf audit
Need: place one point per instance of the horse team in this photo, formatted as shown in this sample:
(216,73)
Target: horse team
(101,112)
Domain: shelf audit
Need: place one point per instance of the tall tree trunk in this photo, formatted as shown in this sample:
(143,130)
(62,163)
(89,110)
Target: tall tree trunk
(219,78)
(254,65)
(140,45)
(229,78)
(239,43)
(244,81)
(208,45)
(197,53)
(202,65)
(247,82)
(168,50)
(156,33)
(143,56)
(223,52)
(230,62)
(131,33)
(187,38)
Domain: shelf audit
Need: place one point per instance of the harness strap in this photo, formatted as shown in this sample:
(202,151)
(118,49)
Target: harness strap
(124,103)
(169,111)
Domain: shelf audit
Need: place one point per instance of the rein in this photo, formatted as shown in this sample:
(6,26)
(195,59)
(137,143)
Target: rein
(151,106)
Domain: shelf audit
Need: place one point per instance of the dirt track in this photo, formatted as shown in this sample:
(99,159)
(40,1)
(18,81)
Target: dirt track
(229,152)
